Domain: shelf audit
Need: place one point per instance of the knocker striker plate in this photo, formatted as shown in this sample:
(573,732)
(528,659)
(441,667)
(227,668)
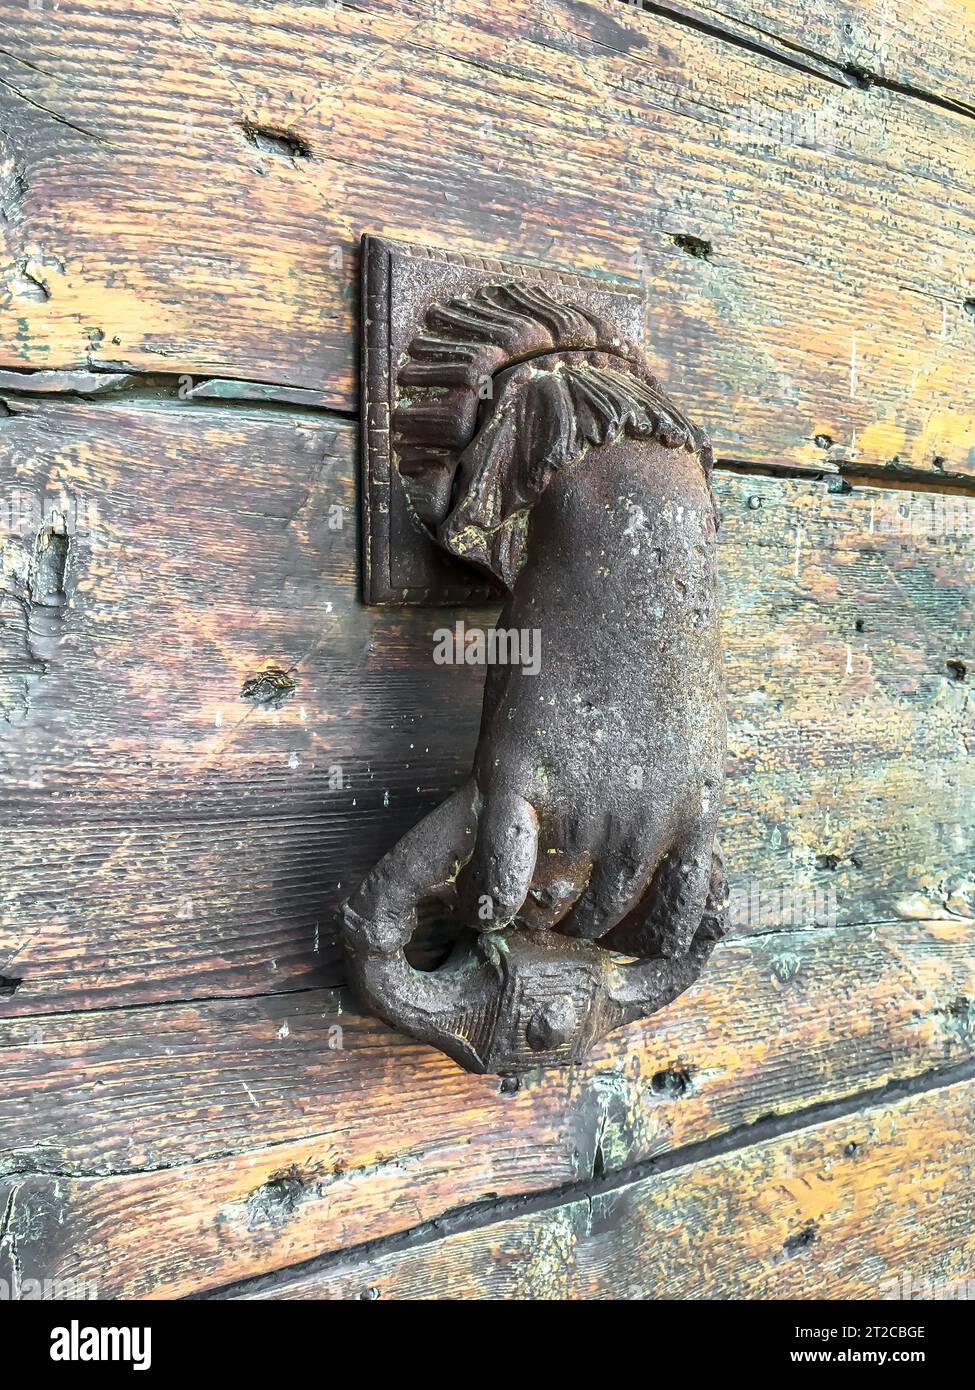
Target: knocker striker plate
(517,445)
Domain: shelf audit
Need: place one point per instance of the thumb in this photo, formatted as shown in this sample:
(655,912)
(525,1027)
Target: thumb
(494,883)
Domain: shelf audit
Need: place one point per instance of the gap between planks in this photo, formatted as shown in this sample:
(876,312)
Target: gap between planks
(102,385)
(338,985)
(479,1215)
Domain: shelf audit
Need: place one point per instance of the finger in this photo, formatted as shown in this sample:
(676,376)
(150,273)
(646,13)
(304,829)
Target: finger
(669,914)
(383,909)
(495,882)
(623,869)
(558,882)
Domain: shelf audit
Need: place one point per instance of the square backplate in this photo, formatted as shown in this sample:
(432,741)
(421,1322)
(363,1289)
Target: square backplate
(402,564)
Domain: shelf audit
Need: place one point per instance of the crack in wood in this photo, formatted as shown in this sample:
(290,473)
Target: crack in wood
(54,115)
(99,385)
(781,49)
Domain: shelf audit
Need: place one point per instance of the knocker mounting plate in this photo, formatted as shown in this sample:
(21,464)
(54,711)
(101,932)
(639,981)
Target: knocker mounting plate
(401,562)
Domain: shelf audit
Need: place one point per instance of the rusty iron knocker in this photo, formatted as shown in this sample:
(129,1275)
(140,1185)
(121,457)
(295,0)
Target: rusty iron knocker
(578,863)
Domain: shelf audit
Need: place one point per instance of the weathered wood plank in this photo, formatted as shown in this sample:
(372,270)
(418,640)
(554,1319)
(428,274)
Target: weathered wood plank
(167,837)
(877,1205)
(186,191)
(165,1150)
(152,806)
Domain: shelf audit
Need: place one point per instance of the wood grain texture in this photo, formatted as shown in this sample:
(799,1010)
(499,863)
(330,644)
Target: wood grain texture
(185,191)
(172,1149)
(170,838)
(206,739)
(868,1207)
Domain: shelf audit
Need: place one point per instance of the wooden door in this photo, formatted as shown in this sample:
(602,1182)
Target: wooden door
(207,738)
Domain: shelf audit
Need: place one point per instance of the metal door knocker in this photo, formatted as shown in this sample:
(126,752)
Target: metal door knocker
(517,444)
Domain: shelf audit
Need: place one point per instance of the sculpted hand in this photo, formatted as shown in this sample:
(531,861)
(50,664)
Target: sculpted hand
(591,811)
(598,778)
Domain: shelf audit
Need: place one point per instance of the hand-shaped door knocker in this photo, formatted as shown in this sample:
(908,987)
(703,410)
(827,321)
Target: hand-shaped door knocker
(578,862)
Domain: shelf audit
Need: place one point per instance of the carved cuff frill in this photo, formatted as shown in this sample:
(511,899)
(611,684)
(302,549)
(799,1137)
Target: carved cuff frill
(502,390)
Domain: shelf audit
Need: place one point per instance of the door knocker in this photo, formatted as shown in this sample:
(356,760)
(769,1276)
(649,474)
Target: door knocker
(517,445)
